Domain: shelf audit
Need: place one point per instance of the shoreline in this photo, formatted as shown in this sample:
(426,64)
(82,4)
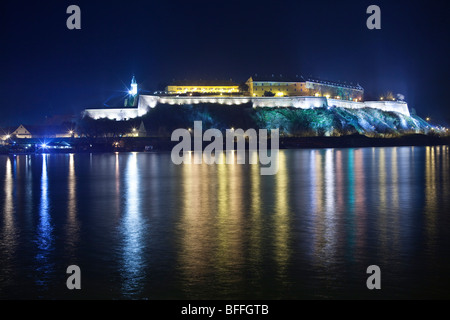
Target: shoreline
(141,144)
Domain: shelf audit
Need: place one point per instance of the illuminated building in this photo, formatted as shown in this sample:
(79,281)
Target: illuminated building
(36,131)
(203,88)
(295,92)
(335,90)
(282,86)
(279,86)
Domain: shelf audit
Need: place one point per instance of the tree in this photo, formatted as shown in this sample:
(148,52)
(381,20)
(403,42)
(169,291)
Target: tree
(269,94)
(243,88)
(389,96)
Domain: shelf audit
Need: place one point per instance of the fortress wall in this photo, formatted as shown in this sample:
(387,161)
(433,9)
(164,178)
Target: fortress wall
(112,114)
(396,106)
(197,100)
(345,104)
(147,102)
(296,102)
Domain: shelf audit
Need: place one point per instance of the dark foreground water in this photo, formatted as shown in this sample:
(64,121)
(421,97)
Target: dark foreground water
(140,227)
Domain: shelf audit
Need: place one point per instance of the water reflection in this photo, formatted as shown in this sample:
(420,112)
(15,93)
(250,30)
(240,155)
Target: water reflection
(133,227)
(360,204)
(117,190)
(214,226)
(432,183)
(329,209)
(8,233)
(230,225)
(44,233)
(256,220)
(196,225)
(29,190)
(395,197)
(316,191)
(8,208)
(281,219)
(73,226)
(225,231)
(383,207)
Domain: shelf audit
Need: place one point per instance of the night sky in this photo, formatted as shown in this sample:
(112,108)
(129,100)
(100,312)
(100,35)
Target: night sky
(48,70)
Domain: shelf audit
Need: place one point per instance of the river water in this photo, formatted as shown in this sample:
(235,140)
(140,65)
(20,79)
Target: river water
(140,227)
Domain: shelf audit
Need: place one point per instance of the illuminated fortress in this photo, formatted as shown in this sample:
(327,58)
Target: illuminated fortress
(259,91)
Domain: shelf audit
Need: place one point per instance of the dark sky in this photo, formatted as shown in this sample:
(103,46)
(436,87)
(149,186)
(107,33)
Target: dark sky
(47,69)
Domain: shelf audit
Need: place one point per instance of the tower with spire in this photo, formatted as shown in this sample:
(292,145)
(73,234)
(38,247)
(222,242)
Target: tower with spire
(133,90)
(131,101)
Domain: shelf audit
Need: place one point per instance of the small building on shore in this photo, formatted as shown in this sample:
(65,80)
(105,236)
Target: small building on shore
(33,131)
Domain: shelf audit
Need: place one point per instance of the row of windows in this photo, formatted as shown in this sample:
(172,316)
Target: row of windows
(279,84)
(310,85)
(210,89)
(262,89)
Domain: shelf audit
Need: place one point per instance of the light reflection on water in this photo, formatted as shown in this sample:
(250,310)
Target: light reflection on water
(8,242)
(141,227)
(45,239)
(72,224)
(132,227)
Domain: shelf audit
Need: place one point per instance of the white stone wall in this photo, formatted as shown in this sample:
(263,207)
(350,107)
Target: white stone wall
(309,102)
(112,114)
(197,100)
(345,104)
(147,102)
(396,106)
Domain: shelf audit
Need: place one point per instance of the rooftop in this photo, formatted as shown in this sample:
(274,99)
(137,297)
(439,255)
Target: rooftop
(300,78)
(201,83)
